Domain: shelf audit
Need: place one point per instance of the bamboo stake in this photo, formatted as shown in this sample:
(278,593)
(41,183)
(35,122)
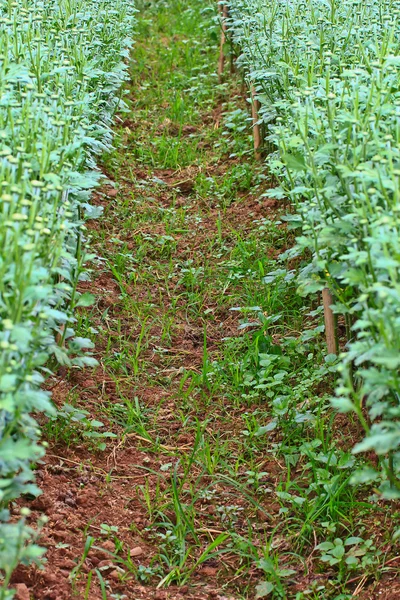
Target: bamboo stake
(255,107)
(221,61)
(330,322)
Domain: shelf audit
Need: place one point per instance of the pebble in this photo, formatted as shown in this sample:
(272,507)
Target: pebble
(136,551)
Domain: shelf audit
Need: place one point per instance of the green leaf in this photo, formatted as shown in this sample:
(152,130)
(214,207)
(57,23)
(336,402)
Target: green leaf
(286,572)
(324,546)
(263,589)
(343,405)
(338,551)
(382,443)
(8,383)
(353,540)
(295,162)
(266,428)
(87,299)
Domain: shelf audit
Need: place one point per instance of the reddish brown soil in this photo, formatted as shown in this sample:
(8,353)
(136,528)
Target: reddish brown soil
(84,489)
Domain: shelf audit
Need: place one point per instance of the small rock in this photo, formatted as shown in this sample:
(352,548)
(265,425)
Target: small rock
(160,595)
(136,551)
(112,193)
(22,592)
(114,575)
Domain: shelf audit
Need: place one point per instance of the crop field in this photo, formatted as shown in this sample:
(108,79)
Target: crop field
(200,299)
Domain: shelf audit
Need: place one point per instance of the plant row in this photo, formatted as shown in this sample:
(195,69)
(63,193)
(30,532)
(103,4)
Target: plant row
(327,77)
(62,63)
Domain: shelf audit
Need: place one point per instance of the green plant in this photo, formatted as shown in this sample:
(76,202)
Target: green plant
(72,424)
(326,75)
(275,575)
(350,554)
(61,66)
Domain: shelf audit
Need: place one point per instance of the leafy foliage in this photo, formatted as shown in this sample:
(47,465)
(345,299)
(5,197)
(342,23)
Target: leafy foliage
(61,65)
(327,76)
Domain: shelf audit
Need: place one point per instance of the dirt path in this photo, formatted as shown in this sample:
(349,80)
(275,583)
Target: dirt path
(172,250)
(157,483)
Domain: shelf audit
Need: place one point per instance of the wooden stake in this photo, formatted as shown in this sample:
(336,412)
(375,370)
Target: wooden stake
(232,61)
(255,107)
(221,61)
(330,322)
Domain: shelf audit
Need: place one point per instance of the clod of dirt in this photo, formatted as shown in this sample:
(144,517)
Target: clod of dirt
(103,552)
(82,500)
(65,573)
(89,384)
(67,564)
(22,592)
(136,551)
(50,578)
(42,503)
(185,187)
(160,595)
(209,571)
(105,564)
(109,546)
